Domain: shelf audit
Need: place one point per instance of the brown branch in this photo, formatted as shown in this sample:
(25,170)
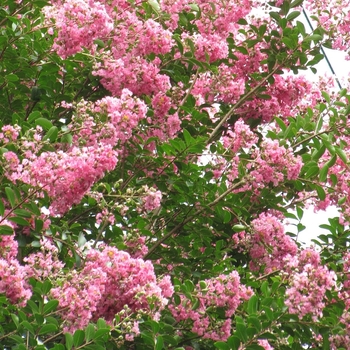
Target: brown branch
(240,102)
(190,218)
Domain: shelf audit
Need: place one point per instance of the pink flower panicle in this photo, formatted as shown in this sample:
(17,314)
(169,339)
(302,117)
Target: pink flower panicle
(310,281)
(13,278)
(152,199)
(110,281)
(67,176)
(223,291)
(45,263)
(9,133)
(269,244)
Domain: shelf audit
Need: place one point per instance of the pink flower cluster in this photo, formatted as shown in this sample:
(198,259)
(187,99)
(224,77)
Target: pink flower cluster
(223,86)
(339,193)
(288,96)
(268,245)
(152,199)
(13,277)
(335,19)
(9,133)
(109,281)
(66,176)
(136,245)
(342,339)
(241,137)
(164,124)
(269,163)
(45,263)
(224,291)
(133,73)
(80,22)
(273,163)
(265,344)
(108,121)
(309,283)
(105,216)
(221,17)
(345,294)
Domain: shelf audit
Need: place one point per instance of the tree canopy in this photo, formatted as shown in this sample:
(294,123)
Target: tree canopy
(152,154)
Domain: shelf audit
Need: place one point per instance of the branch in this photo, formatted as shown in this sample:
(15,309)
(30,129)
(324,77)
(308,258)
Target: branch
(189,90)
(190,218)
(239,103)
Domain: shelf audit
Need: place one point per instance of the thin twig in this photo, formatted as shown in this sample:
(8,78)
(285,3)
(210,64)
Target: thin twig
(198,212)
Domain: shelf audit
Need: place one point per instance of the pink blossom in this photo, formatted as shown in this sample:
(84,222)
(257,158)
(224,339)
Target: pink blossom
(306,295)
(224,291)
(152,200)
(9,133)
(110,281)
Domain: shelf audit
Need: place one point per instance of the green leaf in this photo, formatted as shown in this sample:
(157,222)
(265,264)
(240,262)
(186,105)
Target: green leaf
(341,154)
(12,77)
(241,331)
(6,230)
(326,97)
(254,347)
(238,228)
(47,328)
(89,332)
(10,196)
(69,341)
(78,337)
(300,213)
(320,193)
(311,172)
(2,208)
(325,168)
(253,320)
(234,342)
(22,212)
(221,345)
(196,304)
(188,138)
(35,94)
(33,306)
(313,37)
(226,217)
(159,343)
(18,220)
(27,326)
(44,123)
(293,15)
(101,332)
(101,323)
(67,138)
(50,306)
(99,43)
(58,347)
(296,3)
(51,134)
(177,299)
(39,319)
(81,239)
(281,124)
(275,15)
(253,305)
(18,340)
(242,21)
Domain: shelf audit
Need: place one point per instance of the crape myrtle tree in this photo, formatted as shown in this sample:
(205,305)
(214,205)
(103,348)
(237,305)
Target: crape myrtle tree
(151,155)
